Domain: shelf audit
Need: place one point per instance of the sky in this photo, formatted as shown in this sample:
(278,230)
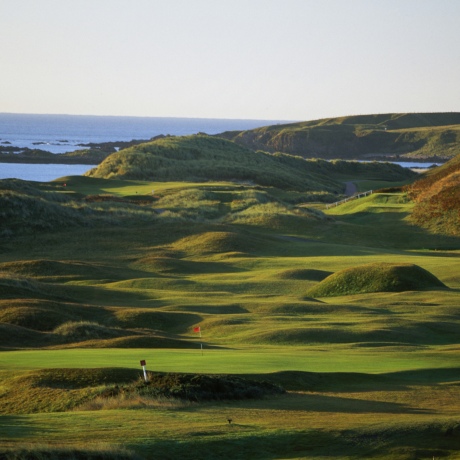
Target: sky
(241,59)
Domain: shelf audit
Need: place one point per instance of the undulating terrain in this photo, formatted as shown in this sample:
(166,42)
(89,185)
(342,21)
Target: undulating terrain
(424,137)
(394,136)
(273,325)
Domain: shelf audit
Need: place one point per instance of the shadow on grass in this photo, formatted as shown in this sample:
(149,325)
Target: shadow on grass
(427,376)
(315,402)
(390,229)
(359,382)
(242,441)
(18,427)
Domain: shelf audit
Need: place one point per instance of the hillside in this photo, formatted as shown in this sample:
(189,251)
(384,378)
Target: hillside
(437,198)
(204,158)
(404,137)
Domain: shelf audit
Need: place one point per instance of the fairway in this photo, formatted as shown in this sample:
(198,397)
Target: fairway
(240,361)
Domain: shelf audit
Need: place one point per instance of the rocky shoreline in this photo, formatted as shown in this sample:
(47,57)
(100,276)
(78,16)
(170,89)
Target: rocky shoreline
(90,153)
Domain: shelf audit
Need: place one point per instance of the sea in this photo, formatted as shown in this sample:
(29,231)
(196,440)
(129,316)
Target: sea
(66,133)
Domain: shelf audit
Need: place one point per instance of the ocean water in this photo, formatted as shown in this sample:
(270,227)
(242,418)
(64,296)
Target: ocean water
(40,172)
(49,172)
(64,133)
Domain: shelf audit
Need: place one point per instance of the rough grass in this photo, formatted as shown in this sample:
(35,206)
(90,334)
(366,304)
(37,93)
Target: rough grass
(58,390)
(426,136)
(437,199)
(201,158)
(220,242)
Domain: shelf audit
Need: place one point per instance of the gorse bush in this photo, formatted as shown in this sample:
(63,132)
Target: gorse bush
(195,387)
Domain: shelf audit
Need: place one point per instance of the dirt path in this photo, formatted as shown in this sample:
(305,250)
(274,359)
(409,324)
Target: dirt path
(350,188)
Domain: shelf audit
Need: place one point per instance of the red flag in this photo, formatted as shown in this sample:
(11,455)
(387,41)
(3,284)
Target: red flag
(197,329)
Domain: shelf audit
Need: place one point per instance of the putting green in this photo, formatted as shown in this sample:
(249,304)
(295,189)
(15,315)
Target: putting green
(236,361)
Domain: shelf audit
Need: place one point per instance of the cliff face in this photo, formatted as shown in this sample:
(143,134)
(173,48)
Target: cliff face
(423,137)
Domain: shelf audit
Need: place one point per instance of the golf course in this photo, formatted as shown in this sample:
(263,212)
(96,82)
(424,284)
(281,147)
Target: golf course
(272,323)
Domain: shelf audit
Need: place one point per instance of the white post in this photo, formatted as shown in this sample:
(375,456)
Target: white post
(143,364)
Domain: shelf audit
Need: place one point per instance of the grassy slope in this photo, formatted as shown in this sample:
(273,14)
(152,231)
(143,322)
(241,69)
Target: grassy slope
(398,136)
(201,158)
(437,198)
(241,270)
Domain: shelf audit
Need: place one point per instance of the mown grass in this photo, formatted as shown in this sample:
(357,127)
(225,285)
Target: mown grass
(243,360)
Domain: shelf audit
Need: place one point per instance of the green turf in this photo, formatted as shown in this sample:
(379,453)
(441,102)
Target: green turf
(244,361)
(369,374)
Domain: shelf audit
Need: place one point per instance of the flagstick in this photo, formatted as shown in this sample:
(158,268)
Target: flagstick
(198,329)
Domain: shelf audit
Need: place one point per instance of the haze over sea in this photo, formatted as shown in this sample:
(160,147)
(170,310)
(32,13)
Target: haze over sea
(66,133)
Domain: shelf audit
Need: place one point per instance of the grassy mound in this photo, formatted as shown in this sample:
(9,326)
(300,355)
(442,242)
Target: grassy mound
(57,390)
(219,242)
(376,277)
(64,389)
(37,317)
(80,378)
(74,331)
(204,158)
(199,387)
(23,205)
(44,268)
(136,318)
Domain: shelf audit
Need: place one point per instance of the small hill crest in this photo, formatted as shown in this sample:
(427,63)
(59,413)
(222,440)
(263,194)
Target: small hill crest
(376,277)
